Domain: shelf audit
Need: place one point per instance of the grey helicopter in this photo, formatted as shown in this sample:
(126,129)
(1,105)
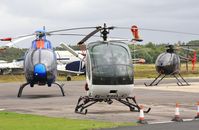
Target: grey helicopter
(40,61)
(168,64)
(40,65)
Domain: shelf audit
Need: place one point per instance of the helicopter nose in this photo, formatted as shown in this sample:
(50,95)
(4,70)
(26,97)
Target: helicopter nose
(40,70)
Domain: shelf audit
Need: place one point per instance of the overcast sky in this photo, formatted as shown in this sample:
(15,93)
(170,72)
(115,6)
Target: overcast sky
(18,17)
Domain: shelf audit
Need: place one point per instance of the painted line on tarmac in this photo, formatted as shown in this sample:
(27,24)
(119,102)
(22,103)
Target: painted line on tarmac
(2,109)
(188,119)
(161,122)
(164,122)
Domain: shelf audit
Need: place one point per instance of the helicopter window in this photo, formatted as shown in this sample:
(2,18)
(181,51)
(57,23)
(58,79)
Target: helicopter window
(167,59)
(111,64)
(47,58)
(35,57)
(29,59)
(44,56)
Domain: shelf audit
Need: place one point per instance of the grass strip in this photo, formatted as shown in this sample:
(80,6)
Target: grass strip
(14,121)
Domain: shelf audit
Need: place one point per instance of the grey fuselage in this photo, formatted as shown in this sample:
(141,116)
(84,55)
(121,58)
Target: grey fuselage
(168,63)
(40,66)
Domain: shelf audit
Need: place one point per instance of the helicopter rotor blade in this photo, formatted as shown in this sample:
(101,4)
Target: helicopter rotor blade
(69,29)
(13,42)
(28,35)
(187,49)
(89,35)
(47,33)
(72,34)
(169,31)
(83,35)
(160,30)
(65,46)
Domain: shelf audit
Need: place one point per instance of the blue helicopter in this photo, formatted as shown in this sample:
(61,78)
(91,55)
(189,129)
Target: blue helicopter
(40,62)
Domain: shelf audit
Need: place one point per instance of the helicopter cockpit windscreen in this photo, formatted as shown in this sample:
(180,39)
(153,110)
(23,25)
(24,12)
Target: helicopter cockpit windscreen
(170,62)
(111,63)
(46,57)
(40,56)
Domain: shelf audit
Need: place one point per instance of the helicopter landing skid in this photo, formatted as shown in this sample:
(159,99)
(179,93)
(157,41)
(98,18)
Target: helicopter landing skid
(61,88)
(134,107)
(84,102)
(179,83)
(21,89)
(156,79)
(25,84)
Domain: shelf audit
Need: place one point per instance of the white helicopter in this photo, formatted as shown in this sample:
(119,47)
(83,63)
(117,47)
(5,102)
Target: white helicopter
(109,71)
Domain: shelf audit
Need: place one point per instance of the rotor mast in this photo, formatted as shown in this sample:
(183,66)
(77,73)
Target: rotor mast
(105,31)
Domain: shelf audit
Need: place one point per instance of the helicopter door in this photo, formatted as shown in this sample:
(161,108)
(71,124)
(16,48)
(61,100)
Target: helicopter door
(111,63)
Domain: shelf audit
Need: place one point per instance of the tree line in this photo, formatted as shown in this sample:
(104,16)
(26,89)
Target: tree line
(148,51)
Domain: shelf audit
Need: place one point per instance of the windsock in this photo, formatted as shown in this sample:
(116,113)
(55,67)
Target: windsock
(134,30)
(194,59)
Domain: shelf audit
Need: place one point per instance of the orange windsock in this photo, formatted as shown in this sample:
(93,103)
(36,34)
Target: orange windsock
(134,30)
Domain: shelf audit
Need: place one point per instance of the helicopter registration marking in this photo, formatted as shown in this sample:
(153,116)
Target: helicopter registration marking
(112,96)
